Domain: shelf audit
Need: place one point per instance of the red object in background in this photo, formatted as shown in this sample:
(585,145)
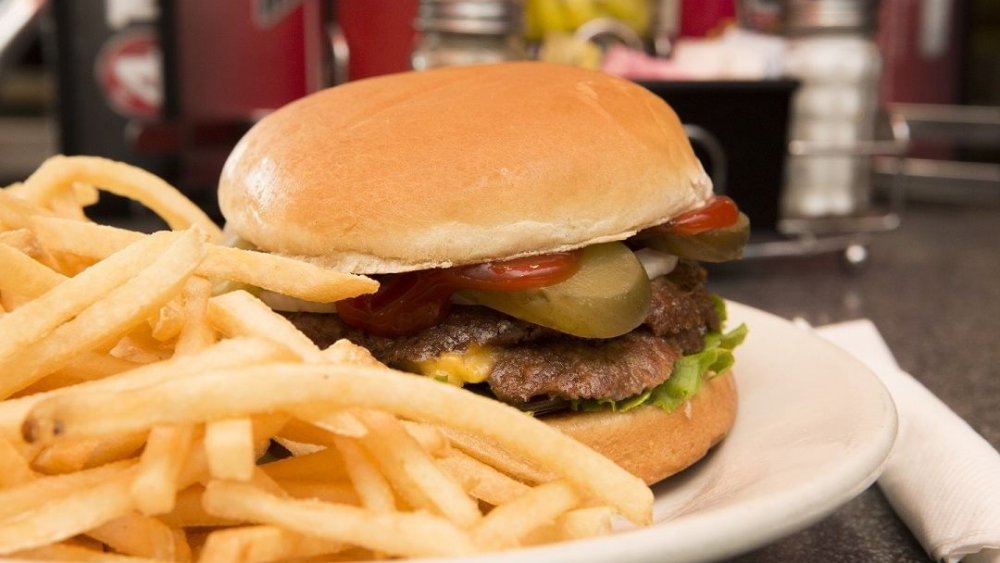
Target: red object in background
(379,33)
(700,18)
(128,72)
(920,66)
(237,60)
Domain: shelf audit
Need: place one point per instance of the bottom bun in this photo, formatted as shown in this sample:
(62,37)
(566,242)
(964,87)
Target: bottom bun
(651,443)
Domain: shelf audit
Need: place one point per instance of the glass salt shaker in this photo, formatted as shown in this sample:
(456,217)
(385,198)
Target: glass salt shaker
(833,53)
(466,32)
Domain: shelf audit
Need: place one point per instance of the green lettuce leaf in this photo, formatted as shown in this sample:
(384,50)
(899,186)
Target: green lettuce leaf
(689,371)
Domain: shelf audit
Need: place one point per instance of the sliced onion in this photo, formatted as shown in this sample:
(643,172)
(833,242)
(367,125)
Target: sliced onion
(656,263)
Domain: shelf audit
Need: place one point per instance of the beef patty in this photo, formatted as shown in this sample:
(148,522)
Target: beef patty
(533,361)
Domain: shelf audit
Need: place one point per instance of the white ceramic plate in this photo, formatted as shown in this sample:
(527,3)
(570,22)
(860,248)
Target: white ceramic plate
(813,430)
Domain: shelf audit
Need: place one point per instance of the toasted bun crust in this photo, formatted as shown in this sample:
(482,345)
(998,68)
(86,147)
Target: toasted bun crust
(651,443)
(459,165)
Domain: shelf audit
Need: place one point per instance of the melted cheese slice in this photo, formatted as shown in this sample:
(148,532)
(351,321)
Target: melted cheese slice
(458,368)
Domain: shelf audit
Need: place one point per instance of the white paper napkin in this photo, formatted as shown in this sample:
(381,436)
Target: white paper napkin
(942,478)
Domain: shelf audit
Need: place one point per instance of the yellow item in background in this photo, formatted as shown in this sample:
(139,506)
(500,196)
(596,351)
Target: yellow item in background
(563,48)
(546,16)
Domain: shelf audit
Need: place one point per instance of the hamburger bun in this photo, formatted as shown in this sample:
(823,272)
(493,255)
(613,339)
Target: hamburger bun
(651,443)
(424,170)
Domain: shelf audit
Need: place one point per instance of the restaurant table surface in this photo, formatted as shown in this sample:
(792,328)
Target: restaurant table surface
(932,287)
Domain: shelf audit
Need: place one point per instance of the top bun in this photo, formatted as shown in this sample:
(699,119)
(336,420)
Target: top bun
(458,166)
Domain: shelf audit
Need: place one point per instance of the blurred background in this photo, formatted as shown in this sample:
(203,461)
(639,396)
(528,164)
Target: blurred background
(822,117)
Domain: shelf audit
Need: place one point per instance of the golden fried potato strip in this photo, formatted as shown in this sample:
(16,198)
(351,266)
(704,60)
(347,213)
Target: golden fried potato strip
(60,173)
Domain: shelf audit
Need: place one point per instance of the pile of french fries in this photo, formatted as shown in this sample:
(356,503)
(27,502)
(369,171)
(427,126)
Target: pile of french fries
(139,404)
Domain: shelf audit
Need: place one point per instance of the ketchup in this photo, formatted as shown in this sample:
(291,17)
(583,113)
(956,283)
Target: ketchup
(720,212)
(410,302)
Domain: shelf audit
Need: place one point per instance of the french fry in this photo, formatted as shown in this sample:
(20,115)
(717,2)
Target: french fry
(195,333)
(55,380)
(67,300)
(372,488)
(250,544)
(67,516)
(240,314)
(123,308)
(14,469)
(300,431)
(297,449)
(229,353)
(22,240)
(63,458)
(326,491)
(229,449)
(405,534)
(188,512)
(284,275)
(60,173)
(88,366)
(326,465)
(493,455)
(182,548)
(195,468)
(85,194)
(431,439)
(506,525)
(481,480)
(413,473)
(344,351)
(273,387)
(580,523)
(279,274)
(264,427)
(65,203)
(116,448)
(68,552)
(139,346)
(10,301)
(338,423)
(155,484)
(142,536)
(60,234)
(168,321)
(24,275)
(25,241)
(15,211)
(263,482)
(43,490)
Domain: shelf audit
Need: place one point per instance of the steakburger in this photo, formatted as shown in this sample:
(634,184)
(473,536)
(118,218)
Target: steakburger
(536,231)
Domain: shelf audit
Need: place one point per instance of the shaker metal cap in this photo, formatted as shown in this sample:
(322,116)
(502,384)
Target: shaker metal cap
(479,17)
(818,16)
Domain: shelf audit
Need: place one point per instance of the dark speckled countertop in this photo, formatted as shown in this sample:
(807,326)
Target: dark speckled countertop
(933,289)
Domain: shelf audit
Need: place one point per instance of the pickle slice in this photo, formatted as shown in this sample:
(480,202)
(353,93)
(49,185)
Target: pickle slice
(608,296)
(716,245)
